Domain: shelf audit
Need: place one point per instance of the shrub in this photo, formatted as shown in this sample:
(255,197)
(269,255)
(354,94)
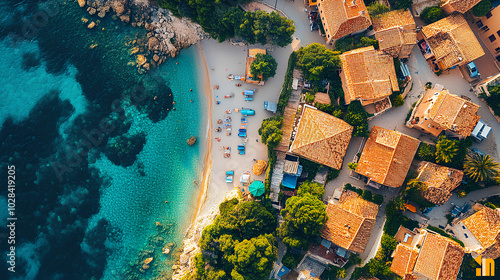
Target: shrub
(310,97)
(367,195)
(445,234)
(357,117)
(398,101)
(291,260)
(491,205)
(332,174)
(481,8)
(403,4)
(375,9)
(354,42)
(431,14)
(352,165)
(286,90)
(378,199)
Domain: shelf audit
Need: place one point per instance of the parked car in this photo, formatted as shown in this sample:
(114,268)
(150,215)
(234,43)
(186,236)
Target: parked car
(472,69)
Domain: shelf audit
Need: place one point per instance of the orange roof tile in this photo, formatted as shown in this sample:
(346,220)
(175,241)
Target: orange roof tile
(368,75)
(341,18)
(404,259)
(460,6)
(322,138)
(350,222)
(393,30)
(452,41)
(440,258)
(322,98)
(484,225)
(454,113)
(387,156)
(440,181)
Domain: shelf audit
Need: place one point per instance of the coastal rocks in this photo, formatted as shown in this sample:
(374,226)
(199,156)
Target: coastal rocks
(91,25)
(191,247)
(191,141)
(167,34)
(141,60)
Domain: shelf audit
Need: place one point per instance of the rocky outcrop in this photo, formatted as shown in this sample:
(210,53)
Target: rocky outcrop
(167,35)
(190,244)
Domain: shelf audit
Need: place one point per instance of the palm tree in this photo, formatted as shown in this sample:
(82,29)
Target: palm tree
(481,167)
(418,185)
(446,150)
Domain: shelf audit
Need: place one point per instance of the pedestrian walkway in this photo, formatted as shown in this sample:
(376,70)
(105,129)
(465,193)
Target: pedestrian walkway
(277,176)
(290,114)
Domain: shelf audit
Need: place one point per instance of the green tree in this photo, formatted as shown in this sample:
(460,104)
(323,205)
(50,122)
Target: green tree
(446,150)
(481,167)
(357,117)
(264,65)
(270,131)
(352,165)
(318,63)
(426,152)
(253,259)
(403,4)
(417,185)
(375,9)
(398,101)
(314,189)
(431,14)
(303,216)
(481,8)
(341,273)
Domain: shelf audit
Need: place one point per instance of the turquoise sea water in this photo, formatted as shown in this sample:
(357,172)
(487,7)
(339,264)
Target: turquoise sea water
(102,215)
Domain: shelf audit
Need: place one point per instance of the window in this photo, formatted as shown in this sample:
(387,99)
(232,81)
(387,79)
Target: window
(492,38)
(498,58)
(485,28)
(498,33)
(488,15)
(497,49)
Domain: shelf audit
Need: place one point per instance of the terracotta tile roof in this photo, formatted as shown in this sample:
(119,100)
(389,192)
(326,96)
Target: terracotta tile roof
(440,258)
(493,252)
(368,74)
(322,98)
(322,138)
(440,181)
(387,156)
(452,41)
(485,226)
(341,18)
(461,6)
(350,222)
(404,259)
(454,113)
(393,30)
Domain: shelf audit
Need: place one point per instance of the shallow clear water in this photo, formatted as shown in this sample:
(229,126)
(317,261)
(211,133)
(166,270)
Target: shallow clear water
(95,217)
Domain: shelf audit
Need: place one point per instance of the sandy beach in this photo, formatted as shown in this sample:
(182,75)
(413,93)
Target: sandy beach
(223,59)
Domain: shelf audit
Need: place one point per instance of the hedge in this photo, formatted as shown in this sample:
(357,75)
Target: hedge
(445,234)
(286,90)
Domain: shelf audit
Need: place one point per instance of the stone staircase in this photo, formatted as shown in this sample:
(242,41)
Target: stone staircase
(277,176)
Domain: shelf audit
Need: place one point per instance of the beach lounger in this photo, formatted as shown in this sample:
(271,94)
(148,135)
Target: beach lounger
(244,119)
(229,176)
(248,98)
(241,149)
(242,133)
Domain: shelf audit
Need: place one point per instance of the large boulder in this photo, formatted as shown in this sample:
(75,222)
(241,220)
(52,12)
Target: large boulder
(153,43)
(81,3)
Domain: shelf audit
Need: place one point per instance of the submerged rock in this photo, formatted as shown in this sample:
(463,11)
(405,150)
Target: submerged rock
(191,141)
(91,25)
(148,260)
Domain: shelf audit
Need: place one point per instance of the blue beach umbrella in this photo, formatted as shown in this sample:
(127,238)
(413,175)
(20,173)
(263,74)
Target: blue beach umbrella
(257,188)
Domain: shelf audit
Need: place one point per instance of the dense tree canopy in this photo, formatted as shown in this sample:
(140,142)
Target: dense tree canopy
(357,117)
(264,65)
(222,19)
(270,131)
(318,63)
(240,243)
(432,14)
(375,9)
(482,8)
(315,189)
(303,216)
